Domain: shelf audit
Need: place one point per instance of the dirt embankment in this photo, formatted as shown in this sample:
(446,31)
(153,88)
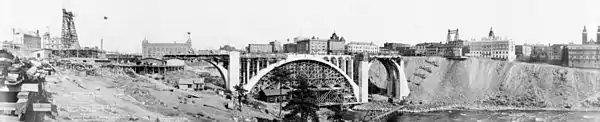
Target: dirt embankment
(112,95)
(487,83)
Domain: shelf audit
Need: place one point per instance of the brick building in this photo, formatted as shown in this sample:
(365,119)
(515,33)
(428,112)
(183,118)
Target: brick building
(493,47)
(290,48)
(260,48)
(276,47)
(523,51)
(360,47)
(401,48)
(157,50)
(336,44)
(312,46)
(585,56)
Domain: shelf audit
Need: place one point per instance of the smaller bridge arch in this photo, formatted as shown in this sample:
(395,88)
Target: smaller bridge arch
(395,71)
(222,70)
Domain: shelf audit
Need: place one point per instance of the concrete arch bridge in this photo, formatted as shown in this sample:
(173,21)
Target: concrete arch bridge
(337,78)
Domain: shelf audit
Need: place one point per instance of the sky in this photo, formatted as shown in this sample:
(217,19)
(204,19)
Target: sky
(214,23)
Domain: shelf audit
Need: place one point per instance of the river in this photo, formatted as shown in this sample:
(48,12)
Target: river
(495,116)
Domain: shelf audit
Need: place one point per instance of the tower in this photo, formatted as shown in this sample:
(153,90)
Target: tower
(450,32)
(584,36)
(189,38)
(491,34)
(598,35)
(69,35)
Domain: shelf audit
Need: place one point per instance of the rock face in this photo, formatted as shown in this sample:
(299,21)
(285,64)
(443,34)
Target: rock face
(436,80)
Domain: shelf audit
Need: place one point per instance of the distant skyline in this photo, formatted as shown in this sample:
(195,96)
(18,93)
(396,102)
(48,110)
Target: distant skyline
(214,23)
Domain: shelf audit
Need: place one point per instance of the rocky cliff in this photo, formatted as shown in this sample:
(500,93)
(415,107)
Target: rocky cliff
(440,81)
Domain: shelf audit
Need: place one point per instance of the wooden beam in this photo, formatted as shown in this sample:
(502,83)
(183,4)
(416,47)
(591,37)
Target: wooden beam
(27,87)
(8,106)
(42,107)
(9,118)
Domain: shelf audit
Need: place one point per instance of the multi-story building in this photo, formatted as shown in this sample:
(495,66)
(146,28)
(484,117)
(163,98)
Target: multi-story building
(522,51)
(123,58)
(360,47)
(556,52)
(260,48)
(336,44)
(276,47)
(289,48)
(493,47)
(227,48)
(435,49)
(585,56)
(386,51)
(312,46)
(399,47)
(30,40)
(158,50)
(421,48)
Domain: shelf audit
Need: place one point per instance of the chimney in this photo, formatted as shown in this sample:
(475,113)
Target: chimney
(37,33)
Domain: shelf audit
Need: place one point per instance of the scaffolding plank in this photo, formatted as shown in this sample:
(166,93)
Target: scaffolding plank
(8,106)
(28,87)
(42,107)
(23,95)
(9,118)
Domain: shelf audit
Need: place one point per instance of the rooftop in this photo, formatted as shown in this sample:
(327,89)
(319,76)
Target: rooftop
(274,92)
(191,81)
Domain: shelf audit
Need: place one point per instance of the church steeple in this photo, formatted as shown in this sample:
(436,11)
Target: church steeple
(584,38)
(334,37)
(491,34)
(598,35)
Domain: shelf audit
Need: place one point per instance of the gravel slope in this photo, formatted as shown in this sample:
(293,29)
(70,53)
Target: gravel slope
(481,82)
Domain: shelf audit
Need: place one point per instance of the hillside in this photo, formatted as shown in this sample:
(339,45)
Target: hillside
(481,82)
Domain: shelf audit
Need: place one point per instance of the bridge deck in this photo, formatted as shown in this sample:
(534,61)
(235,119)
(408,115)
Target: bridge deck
(285,55)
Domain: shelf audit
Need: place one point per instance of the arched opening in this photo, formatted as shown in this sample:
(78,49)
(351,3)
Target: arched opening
(210,71)
(383,79)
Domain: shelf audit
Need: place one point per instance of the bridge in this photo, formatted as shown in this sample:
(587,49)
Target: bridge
(330,74)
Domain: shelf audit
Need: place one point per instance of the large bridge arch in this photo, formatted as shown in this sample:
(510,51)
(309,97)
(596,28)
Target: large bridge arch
(398,86)
(254,80)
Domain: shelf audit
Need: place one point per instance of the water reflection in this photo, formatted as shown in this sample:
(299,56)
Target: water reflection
(495,116)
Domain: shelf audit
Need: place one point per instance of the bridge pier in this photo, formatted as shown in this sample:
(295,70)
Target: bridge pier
(363,77)
(247,67)
(234,70)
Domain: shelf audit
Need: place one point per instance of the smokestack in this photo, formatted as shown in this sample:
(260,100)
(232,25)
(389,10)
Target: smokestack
(37,33)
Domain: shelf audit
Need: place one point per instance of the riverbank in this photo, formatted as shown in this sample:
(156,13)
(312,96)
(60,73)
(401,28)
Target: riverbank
(486,84)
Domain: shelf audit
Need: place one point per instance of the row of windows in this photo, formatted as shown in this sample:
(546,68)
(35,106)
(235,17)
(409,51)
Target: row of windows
(595,48)
(492,52)
(584,57)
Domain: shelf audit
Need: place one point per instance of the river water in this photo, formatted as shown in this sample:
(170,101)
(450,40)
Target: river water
(496,116)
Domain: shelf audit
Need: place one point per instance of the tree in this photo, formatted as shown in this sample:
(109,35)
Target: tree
(241,94)
(303,100)
(281,76)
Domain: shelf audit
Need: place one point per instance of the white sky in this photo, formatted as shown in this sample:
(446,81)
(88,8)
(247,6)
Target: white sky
(239,22)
